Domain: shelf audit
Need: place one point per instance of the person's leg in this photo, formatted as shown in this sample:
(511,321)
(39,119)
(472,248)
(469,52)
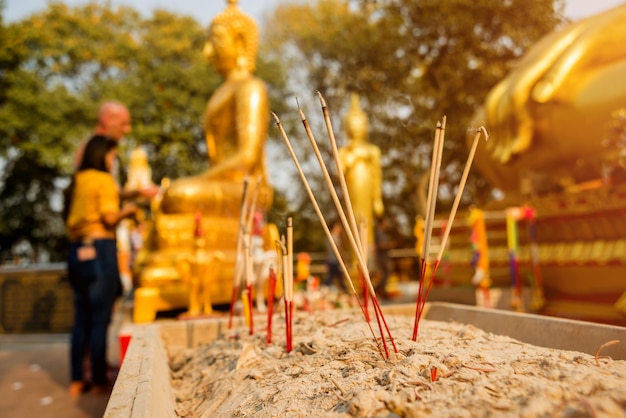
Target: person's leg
(328,279)
(337,274)
(79,336)
(102,296)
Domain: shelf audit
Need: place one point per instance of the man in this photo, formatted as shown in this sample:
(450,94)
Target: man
(114,122)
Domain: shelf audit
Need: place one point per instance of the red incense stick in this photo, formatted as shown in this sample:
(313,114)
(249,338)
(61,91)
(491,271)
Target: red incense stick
(270,304)
(422,302)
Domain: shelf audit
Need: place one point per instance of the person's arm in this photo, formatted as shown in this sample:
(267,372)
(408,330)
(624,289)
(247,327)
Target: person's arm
(147,193)
(112,219)
(109,203)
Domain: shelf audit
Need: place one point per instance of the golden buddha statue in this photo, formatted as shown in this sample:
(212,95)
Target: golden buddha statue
(550,118)
(139,171)
(360,162)
(553,146)
(235,125)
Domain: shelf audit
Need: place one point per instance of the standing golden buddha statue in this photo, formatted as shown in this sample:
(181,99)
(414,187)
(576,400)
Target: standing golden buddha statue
(235,125)
(360,161)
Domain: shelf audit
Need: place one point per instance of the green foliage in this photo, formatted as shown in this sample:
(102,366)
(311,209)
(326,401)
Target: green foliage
(57,67)
(411,62)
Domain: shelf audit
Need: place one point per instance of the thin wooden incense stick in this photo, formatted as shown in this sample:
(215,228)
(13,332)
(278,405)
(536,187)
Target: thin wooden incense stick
(286,293)
(459,193)
(348,204)
(249,279)
(290,281)
(430,213)
(270,304)
(354,239)
(455,206)
(364,285)
(242,217)
(245,227)
(357,247)
(342,180)
(321,218)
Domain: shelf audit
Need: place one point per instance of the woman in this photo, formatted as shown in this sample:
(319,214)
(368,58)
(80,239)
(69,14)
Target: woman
(93,210)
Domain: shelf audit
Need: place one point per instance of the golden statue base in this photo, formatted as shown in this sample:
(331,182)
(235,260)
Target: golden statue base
(160,282)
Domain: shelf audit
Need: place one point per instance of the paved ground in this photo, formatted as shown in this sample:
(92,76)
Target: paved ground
(34,379)
(34,374)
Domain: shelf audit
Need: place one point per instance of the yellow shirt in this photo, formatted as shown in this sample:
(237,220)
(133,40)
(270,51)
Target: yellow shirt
(95,194)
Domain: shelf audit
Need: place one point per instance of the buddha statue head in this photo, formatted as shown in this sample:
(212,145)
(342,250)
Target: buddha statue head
(356,124)
(233,41)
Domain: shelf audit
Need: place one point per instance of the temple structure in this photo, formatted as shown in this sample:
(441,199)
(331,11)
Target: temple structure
(557,150)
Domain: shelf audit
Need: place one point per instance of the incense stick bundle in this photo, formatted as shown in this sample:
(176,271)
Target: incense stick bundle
(242,217)
(289,309)
(354,239)
(354,227)
(431,204)
(444,240)
(244,237)
(350,226)
(270,304)
(249,276)
(320,216)
(287,274)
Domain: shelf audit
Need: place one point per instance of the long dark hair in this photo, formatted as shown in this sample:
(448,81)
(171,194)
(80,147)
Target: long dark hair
(94,158)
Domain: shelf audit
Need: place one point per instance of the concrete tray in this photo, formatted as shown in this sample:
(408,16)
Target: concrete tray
(143,386)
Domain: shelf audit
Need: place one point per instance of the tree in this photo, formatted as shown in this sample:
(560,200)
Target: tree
(57,67)
(411,62)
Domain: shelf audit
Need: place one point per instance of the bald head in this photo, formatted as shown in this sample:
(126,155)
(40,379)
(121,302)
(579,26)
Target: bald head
(113,120)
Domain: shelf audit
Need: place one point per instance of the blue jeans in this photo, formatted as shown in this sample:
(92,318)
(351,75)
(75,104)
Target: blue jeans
(94,297)
(334,271)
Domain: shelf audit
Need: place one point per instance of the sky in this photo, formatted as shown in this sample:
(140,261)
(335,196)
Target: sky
(205,10)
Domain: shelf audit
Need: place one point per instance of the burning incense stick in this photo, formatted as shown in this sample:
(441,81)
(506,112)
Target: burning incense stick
(353,224)
(353,238)
(245,224)
(270,304)
(459,193)
(430,213)
(286,293)
(320,217)
(358,245)
(249,278)
(451,217)
(342,180)
(242,217)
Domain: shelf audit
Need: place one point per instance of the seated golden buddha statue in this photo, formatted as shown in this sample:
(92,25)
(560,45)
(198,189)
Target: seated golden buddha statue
(235,125)
(550,119)
(360,162)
